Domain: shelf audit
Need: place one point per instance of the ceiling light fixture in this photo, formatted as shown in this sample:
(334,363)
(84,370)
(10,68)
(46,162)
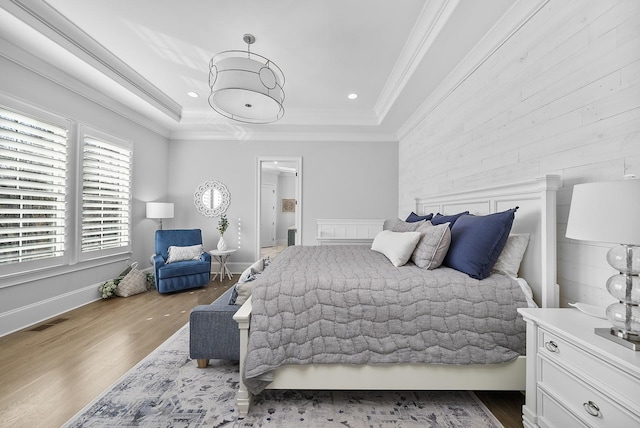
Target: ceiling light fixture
(193,94)
(245,86)
(352,96)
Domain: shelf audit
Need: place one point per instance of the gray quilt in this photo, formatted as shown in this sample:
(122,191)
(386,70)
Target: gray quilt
(350,305)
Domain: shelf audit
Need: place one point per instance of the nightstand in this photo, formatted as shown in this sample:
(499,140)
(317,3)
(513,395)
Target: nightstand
(575,377)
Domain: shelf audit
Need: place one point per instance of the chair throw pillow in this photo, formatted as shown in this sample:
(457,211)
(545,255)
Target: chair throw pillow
(179,254)
(432,246)
(477,241)
(134,282)
(396,246)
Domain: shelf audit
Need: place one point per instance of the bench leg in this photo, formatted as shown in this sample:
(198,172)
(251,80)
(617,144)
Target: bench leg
(202,363)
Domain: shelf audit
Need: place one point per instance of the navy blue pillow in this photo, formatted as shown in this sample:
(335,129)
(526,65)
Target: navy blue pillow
(477,241)
(451,219)
(413,217)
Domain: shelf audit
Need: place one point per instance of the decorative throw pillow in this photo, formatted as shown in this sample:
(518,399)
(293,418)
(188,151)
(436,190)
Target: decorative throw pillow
(244,287)
(396,246)
(512,254)
(413,217)
(433,245)
(477,241)
(451,219)
(403,226)
(178,254)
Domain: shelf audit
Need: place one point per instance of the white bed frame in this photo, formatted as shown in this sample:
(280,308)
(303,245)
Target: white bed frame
(536,216)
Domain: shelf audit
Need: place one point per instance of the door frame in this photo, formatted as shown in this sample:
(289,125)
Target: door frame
(298,217)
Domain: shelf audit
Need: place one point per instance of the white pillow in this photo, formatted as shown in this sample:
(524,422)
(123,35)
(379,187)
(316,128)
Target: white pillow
(397,246)
(178,254)
(512,254)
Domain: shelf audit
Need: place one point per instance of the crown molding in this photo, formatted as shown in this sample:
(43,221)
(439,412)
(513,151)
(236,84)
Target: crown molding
(47,20)
(508,25)
(299,117)
(432,19)
(29,62)
(243,134)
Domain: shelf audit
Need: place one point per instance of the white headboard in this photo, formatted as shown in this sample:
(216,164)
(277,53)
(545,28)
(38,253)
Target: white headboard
(536,216)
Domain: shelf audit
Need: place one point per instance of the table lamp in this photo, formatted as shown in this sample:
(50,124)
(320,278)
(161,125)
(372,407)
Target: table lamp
(610,212)
(159,211)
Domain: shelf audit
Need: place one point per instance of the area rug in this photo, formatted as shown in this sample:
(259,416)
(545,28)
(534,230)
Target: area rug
(166,389)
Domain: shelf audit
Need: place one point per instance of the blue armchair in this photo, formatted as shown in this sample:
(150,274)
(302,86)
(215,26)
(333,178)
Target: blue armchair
(179,275)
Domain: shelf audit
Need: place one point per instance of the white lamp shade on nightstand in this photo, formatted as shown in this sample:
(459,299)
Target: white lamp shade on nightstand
(607,211)
(610,212)
(159,210)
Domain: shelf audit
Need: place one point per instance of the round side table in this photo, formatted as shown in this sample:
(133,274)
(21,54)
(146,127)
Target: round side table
(221,257)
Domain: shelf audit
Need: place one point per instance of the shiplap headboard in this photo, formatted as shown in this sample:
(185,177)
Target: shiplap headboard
(536,216)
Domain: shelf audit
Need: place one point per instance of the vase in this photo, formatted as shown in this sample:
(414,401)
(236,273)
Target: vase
(222,244)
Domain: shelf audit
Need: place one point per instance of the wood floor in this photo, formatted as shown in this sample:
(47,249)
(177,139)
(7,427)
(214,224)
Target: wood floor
(50,371)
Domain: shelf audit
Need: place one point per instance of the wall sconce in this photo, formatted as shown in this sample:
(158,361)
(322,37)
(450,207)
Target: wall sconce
(159,211)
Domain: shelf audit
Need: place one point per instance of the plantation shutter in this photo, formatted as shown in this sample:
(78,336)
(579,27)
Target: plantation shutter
(106,195)
(33,165)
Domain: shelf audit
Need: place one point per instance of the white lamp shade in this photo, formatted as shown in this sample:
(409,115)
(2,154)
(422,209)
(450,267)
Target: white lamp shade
(159,209)
(246,89)
(606,212)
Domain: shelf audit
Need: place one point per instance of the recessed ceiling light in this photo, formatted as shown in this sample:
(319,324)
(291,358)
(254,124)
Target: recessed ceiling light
(352,96)
(193,94)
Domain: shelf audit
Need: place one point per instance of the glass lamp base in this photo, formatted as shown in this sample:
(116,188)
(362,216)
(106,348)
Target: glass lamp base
(631,341)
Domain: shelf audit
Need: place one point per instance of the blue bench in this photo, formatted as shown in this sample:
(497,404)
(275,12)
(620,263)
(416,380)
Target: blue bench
(214,335)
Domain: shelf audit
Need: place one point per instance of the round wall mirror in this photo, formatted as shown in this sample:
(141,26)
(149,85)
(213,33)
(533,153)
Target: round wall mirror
(212,198)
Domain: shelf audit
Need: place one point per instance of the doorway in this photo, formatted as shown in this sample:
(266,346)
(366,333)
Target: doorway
(278,204)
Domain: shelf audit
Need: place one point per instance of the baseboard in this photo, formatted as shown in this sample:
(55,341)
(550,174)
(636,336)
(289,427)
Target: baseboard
(25,316)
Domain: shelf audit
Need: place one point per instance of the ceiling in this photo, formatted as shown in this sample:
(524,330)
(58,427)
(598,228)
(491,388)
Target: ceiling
(148,54)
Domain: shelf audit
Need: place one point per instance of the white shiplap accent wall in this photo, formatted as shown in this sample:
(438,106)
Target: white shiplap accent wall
(556,91)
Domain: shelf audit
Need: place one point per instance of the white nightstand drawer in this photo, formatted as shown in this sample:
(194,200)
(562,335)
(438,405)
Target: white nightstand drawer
(565,354)
(552,414)
(592,407)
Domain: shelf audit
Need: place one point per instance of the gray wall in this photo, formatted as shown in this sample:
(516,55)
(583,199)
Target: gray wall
(340,180)
(67,287)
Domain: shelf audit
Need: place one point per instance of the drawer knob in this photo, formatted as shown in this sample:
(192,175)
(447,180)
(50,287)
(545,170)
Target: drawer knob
(591,408)
(551,346)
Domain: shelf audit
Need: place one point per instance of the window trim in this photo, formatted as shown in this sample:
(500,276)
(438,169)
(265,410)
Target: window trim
(40,115)
(90,132)
(70,262)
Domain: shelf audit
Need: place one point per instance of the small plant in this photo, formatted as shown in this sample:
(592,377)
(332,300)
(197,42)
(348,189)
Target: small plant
(223,224)
(108,289)
(151,281)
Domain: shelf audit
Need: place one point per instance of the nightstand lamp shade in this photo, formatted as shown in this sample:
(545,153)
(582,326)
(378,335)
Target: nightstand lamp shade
(159,211)
(610,212)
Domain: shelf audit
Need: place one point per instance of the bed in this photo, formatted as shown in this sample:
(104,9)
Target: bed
(535,216)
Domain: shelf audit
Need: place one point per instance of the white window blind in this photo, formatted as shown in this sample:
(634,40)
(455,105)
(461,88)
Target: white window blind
(33,165)
(106,195)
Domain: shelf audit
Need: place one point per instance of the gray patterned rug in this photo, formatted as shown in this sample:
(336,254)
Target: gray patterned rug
(166,389)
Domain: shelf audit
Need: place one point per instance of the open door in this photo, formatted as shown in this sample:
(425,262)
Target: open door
(278,203)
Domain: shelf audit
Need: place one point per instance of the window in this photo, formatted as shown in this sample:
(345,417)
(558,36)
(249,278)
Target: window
(106,195)
(65,193)
(33,166)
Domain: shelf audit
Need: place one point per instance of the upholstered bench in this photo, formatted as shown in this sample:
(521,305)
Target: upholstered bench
(214,335)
